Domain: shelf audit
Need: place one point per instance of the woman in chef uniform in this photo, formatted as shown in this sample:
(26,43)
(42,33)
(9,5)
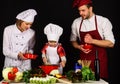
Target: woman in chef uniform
(95,30)
(19,39)
(53,52)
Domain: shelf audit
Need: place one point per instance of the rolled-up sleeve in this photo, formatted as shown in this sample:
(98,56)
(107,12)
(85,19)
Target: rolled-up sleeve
(107,31)
(74,32)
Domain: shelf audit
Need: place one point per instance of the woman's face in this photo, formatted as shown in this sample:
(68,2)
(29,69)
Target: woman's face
(52,43)
(25,26)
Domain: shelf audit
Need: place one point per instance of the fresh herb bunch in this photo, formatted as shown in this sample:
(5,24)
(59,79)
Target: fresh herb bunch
(83,74)
(87,74)
(26,76)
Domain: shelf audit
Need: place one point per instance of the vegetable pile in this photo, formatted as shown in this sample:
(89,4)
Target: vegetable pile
(82,73)
(40,77)
(32,73)
(12,74)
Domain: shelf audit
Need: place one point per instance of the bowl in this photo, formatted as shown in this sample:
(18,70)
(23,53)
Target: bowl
(88,46)
(30,56)
(48,68)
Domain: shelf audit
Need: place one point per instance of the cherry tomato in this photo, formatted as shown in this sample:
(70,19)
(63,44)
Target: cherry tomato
(15,69)
(88,46)
(11,76)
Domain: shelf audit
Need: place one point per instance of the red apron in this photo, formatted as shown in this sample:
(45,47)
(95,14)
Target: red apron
(102,55)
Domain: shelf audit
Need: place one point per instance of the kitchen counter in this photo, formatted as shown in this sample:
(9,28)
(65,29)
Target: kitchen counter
(66,81)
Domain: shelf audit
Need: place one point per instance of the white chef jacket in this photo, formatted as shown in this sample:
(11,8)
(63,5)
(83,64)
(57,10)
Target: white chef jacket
(15,41)
(103,24)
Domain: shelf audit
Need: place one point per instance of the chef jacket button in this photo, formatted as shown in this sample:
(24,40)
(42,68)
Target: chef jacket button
(22,37)
(16,36)
(21,44)
(16,43)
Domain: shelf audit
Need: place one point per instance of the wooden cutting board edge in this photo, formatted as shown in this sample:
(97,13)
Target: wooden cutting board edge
(64,80)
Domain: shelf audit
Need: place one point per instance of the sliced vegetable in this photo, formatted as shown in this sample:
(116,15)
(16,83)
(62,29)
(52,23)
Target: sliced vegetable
(11,74)
(54,72)
(19,76)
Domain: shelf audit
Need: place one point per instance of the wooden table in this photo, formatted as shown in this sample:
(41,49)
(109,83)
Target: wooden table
(66,81)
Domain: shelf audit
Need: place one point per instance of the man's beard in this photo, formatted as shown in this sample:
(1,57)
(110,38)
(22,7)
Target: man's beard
(86,17)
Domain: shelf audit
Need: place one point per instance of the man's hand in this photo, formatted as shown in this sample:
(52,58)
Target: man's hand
(85,50)
(88,39)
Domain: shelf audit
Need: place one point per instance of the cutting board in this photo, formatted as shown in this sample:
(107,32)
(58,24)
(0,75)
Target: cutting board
(64,80)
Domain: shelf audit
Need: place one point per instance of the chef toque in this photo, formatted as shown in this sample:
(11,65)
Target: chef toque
(27,15)
(53,32)
(78,3)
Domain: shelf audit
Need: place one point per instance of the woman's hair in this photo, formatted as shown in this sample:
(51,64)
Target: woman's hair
(18,22)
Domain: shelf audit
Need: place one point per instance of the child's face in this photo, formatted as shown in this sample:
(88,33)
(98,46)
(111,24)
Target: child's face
(52,43)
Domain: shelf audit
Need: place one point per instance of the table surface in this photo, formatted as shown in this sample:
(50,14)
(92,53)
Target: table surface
(64,81)
(101,81)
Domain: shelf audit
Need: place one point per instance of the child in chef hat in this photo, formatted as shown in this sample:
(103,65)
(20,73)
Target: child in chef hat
(53,52)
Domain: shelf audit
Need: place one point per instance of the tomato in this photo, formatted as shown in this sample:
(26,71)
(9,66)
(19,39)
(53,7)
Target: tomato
(11,76)
(88,46)
(15,69)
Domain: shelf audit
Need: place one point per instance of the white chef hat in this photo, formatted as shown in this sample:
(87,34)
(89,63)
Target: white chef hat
(53,32)
(27,15)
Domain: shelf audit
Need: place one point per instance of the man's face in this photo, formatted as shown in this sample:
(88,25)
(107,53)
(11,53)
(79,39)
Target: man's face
(84,11)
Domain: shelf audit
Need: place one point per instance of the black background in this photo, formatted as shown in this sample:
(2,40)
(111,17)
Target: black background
(61,12)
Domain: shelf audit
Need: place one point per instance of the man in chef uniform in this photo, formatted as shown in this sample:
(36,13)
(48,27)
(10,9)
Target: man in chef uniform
(53,52)
(18,39)
(94,30)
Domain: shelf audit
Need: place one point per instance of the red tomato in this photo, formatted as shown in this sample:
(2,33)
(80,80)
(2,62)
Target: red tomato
(11,76)
(15,69)
(88,46)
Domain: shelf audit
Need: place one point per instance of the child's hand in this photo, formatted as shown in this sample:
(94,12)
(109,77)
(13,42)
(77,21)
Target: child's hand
(44,60)
(63,63)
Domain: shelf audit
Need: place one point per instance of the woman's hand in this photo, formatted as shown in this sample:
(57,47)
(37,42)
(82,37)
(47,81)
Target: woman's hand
(21,56)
